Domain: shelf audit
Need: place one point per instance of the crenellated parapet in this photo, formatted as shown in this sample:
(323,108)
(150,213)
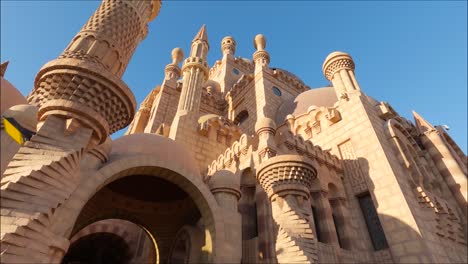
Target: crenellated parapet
(288,143)
(312,123)
(236,152)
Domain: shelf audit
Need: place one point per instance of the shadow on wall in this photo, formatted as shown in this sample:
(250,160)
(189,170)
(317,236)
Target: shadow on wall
(391,231)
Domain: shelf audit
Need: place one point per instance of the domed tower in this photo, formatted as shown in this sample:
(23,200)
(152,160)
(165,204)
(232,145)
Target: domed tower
(338,68)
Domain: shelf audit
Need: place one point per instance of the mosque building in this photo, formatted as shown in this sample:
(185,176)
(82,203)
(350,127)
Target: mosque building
(239,162)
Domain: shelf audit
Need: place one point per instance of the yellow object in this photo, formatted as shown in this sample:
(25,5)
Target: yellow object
(16,131)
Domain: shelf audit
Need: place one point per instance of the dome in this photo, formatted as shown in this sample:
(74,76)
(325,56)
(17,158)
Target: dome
(24,114)
(9,96)
(224,179)
(161,148)
(324,96)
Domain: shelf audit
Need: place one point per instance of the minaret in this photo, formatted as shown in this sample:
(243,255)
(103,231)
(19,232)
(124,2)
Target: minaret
(86,76)
(81,100)
(338,68)
(195,73)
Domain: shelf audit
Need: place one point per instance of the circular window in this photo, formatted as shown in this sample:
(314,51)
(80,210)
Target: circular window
(277,91)
(235,71)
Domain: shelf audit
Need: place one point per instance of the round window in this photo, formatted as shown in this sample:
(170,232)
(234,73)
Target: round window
(235,71)
(277,91)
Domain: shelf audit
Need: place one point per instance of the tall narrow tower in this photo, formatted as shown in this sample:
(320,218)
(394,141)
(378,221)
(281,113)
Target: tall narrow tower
(195,73)
(81,100)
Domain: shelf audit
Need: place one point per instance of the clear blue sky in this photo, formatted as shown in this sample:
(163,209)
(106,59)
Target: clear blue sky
(410,54)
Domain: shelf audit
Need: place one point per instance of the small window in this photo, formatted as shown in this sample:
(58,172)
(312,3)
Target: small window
(277,91)
(219,73)
(241,117)
(235,71)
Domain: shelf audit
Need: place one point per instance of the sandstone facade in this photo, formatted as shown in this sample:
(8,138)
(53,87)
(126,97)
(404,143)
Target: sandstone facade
(237,163)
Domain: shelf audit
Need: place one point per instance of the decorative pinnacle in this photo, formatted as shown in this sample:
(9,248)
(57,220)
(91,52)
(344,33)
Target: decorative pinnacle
(336,62)
(177,56)
(260,42)
(201,35)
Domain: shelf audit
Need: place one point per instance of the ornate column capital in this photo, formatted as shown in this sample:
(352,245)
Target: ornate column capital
(286,174)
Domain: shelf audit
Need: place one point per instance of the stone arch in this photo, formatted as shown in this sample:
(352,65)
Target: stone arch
(128,232)
(188,238)
(185,178)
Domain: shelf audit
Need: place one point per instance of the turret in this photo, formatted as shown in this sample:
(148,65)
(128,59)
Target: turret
(195,73)
(338,68)
(86,76)
(228,46)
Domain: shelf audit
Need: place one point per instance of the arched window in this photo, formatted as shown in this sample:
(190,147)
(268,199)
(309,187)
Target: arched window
(241,117)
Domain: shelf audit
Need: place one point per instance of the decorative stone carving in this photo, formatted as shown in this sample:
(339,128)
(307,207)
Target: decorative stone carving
(287,180)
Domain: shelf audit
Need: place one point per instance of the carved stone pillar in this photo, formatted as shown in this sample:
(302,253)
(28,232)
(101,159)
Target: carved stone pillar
(325,216)
(342,228)
(287,180)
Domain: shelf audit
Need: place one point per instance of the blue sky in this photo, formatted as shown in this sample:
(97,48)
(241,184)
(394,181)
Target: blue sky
(411,54)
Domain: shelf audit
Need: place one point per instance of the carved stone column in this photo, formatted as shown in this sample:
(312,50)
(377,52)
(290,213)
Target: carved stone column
(287,180)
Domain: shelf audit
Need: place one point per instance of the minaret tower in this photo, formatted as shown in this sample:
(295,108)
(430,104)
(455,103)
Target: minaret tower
(338,68)
(81,100)
(195,73)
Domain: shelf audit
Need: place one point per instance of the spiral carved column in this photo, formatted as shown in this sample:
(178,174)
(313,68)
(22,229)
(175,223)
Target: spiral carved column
(287,180)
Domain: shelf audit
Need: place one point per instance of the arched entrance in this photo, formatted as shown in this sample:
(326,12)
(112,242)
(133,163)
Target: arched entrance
(135,159)
(112,241)
(149,201)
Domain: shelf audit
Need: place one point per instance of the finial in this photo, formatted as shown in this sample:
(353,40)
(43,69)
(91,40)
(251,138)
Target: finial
(201,35)
(3,68)
(261,56)
(177,56)
(228,45)
(260,42)
(335,62)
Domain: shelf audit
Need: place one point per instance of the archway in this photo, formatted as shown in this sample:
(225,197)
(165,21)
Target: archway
(112,241)
(161,207)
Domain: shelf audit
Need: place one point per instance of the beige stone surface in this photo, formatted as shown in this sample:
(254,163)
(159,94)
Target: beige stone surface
(237,163)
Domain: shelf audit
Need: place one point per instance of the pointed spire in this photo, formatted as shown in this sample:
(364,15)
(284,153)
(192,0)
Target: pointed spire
(421,123)
(3,68)
(201,35)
